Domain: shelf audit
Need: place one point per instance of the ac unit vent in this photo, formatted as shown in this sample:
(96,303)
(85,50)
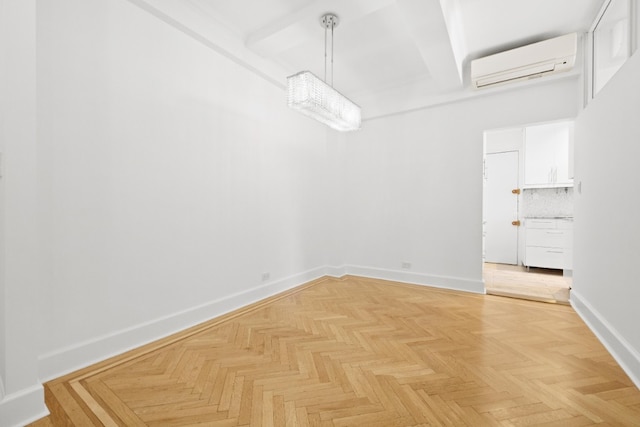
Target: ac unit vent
(535,60)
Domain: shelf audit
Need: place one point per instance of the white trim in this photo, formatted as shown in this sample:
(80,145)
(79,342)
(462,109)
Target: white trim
(68,359)
(465,95)
(587,68)
(599,15)
(23,407)
(627,357)
(62,361)
(65,360)
(589,43)
(633,27)
(336,271)
(435,281)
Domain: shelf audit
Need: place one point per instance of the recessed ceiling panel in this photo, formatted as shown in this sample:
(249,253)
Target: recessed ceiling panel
(248,16)
(373,51)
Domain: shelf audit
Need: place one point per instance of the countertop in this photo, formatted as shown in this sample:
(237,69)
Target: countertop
(570,218)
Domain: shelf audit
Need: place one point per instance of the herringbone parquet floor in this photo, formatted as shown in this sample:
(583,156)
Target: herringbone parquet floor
(361,352)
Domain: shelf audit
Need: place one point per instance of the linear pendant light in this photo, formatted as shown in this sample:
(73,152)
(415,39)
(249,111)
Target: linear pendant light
(313,97)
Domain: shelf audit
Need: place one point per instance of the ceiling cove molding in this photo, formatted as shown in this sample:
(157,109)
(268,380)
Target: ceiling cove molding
(465,95)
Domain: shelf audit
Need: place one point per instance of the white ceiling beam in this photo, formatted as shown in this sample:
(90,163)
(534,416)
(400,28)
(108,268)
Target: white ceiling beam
(428,26)
(455,27)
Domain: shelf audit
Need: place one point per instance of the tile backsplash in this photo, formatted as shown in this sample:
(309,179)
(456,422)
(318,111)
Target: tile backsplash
(547,202)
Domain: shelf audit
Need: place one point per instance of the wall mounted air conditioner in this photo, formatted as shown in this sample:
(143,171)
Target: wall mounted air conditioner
(535,60)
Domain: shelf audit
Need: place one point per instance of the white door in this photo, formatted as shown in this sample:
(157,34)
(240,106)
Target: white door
(501,208)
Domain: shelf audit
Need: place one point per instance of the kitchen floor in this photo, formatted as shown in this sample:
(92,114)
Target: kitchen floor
(537,284)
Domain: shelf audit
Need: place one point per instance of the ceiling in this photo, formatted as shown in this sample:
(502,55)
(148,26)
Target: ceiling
(390,55)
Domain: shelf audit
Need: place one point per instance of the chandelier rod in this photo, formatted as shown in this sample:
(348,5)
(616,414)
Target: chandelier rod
(332,26)
(325,52)
(328,20)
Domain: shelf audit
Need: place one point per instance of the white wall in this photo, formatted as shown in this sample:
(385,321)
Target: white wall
(607,233)
(21,394)
(413,184)
(171,179)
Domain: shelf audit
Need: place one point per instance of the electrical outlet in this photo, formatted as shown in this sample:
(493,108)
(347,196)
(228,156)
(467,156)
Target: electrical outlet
(406,265)
(265,276)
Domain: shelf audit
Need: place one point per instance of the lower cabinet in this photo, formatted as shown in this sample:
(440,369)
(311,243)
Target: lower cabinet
(549,243)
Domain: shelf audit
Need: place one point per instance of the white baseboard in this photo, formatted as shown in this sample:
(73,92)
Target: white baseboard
(627,357)
(19,408)
(24,407)
(335,271)
(65,360)
(444,282)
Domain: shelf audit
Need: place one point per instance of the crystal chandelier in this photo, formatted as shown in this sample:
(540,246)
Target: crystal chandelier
(315,98)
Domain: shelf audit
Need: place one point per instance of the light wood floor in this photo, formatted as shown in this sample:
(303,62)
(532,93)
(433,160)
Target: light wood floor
(361,352)
(536,284)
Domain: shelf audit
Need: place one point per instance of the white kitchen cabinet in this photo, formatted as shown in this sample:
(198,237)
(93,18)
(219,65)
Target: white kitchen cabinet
(546,158)
(549,243)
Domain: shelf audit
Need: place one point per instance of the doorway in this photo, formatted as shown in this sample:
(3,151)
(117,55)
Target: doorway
(507,206)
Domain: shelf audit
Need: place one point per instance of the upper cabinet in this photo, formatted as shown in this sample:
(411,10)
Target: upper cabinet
(547,155)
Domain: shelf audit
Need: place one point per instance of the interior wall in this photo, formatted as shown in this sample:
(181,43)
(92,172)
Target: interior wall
(175,184)
(607,235)
(413,184)
(21,394)
(170,180)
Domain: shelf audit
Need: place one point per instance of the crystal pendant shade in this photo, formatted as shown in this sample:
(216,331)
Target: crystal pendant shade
(312,97)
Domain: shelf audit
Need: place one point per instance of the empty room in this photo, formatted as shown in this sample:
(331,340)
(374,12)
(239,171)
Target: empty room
(319,212)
